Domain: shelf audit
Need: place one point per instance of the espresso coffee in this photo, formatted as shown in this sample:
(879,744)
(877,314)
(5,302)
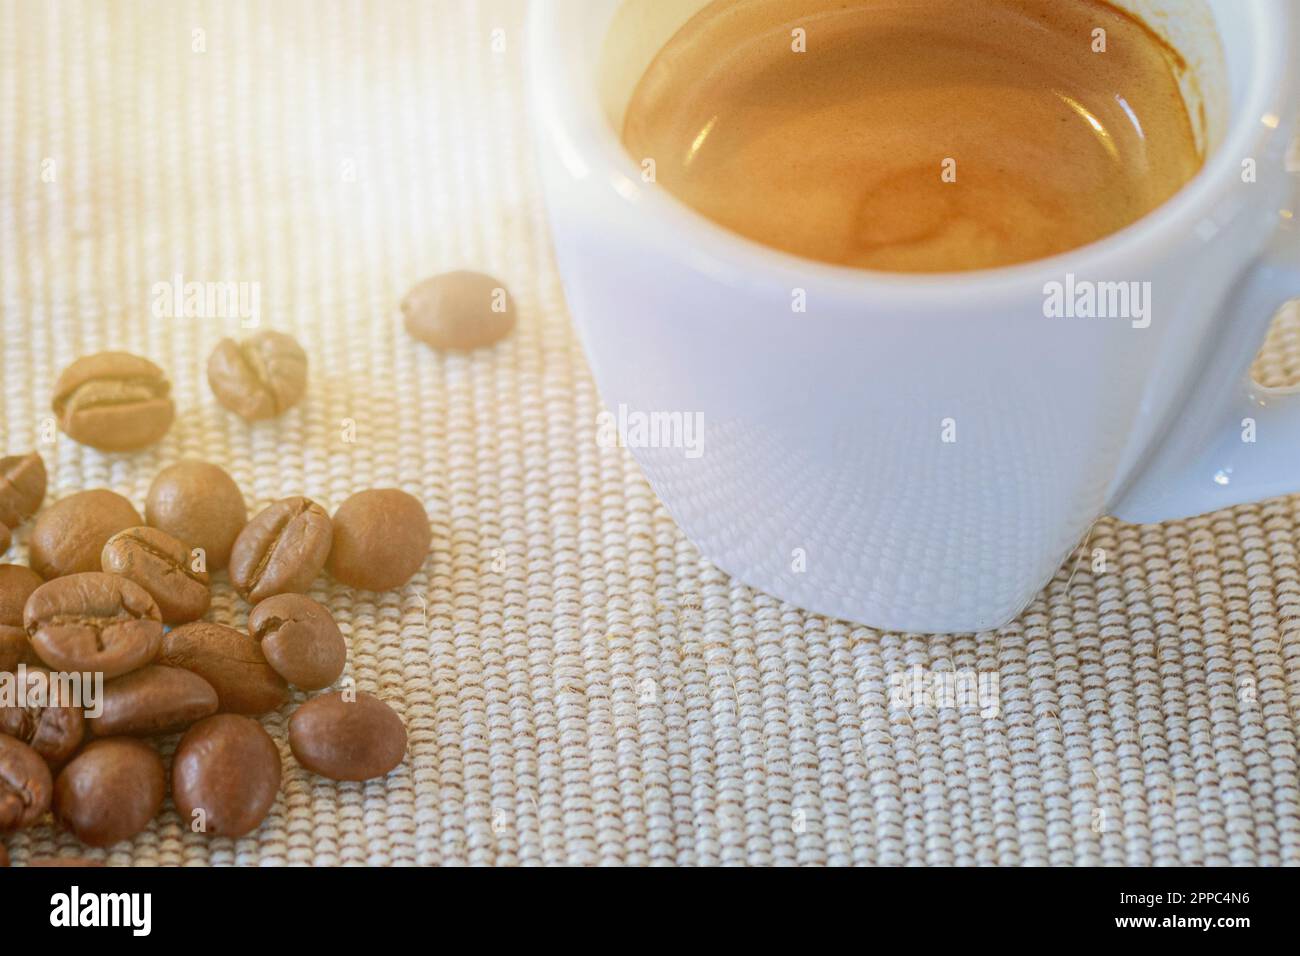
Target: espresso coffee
(916,135)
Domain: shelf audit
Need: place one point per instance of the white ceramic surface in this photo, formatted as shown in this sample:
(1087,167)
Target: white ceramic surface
(824,476)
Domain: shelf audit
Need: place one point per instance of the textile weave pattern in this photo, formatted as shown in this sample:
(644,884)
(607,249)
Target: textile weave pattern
(579,685)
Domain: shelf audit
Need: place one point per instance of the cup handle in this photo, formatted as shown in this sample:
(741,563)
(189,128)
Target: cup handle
(1251,449)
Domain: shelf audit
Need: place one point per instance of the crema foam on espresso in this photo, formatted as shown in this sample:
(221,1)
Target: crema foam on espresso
(916,135)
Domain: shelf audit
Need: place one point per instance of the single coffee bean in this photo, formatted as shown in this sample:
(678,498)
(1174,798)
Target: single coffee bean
(260,377)
(198,503)
(25,785)
(52,723)
(300,640)
(381,538)
(347,739)
(111,791)
(93,622)
(153,700)
(459,310)
(281,550)
(6,538)
(114,401)
(231,662)
(69,536)
(162,566)
(22,488)
(4,855)
(225,775)
(16,585)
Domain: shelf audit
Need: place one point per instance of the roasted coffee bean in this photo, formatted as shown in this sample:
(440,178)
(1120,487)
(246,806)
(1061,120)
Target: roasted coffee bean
(111,791)
(198,503)
(4,855)
(300,640)
(231,662)
(16,585)
(225,776)
(69,536)
(381,538)
(260,377)
(347,739)
(93,622)
(459,310)
(22,488)
(15,649)
(162,566)
(53,721)
(281,550)
(153,700)
(114,401)
(25,785)
(6,538)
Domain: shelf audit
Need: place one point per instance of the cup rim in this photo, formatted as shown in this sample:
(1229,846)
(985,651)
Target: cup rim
(573,117)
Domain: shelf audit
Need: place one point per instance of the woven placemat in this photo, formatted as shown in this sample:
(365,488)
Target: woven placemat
(580,686)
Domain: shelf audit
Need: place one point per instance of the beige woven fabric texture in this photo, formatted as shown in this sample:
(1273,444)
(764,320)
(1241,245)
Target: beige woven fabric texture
(579,684)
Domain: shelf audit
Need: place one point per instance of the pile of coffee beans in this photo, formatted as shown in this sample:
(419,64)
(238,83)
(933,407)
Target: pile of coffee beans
(109,592)
(114,593)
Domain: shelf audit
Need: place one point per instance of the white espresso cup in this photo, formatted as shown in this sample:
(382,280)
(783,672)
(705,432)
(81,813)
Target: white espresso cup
(921,453)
